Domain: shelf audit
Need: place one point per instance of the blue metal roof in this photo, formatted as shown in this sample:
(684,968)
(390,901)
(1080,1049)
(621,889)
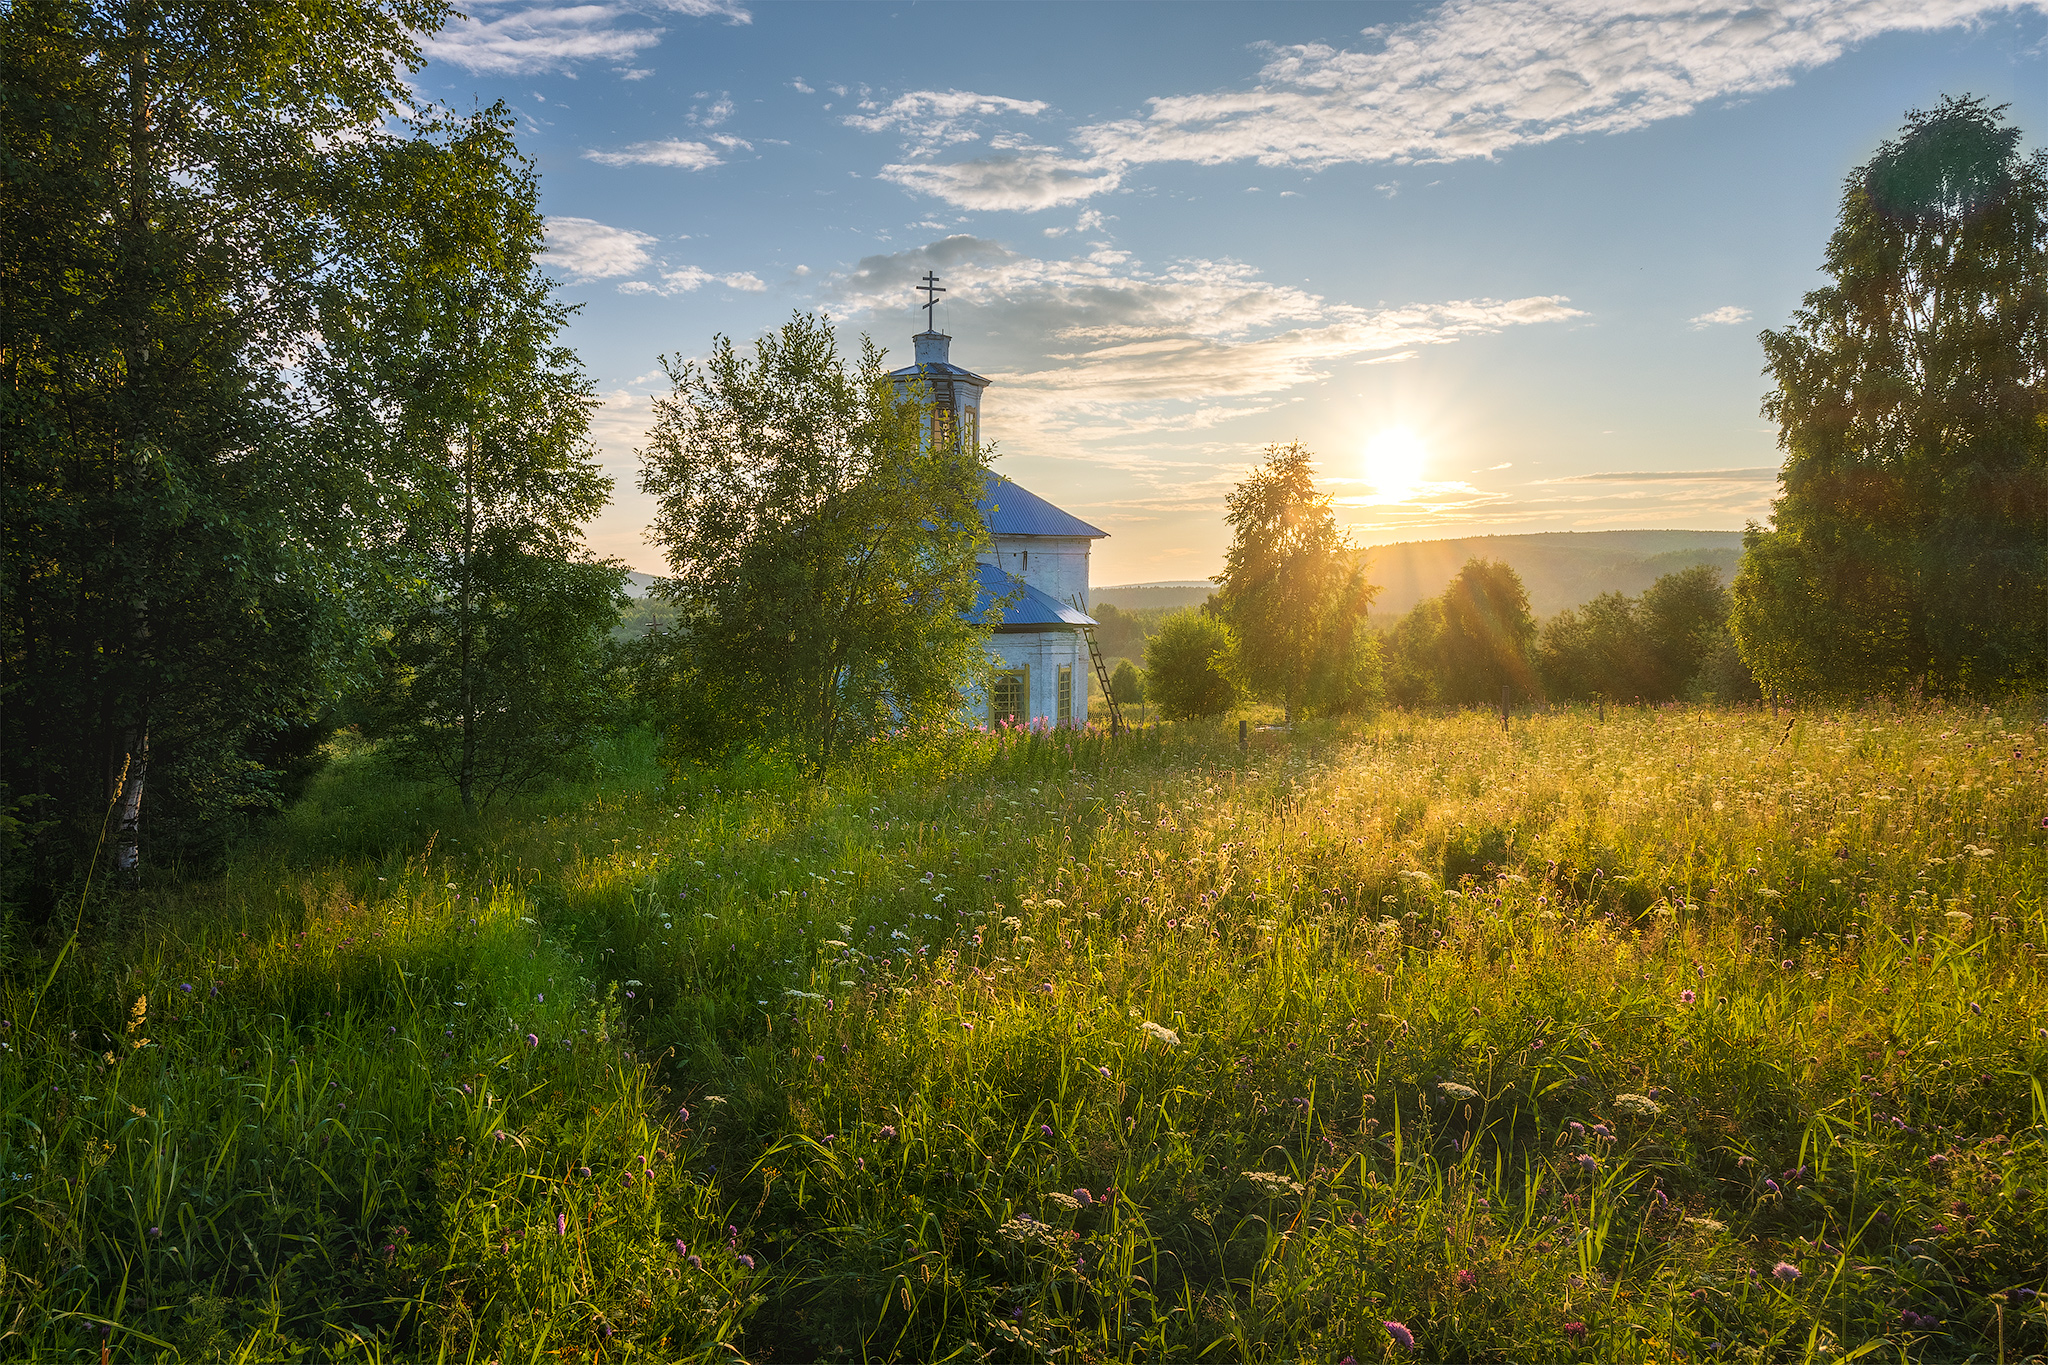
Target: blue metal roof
(1031,610)
(937,369)
(1013,510)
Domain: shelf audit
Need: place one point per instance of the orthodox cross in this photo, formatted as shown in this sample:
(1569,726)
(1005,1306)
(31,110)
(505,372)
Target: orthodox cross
(930,289)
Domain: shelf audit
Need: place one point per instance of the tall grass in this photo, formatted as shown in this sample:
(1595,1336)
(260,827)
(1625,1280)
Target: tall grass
(1694,1034)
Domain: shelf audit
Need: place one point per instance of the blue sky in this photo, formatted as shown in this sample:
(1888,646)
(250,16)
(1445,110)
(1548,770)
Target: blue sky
(1501,265)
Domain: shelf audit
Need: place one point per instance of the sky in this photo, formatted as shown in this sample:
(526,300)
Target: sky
(1501,264)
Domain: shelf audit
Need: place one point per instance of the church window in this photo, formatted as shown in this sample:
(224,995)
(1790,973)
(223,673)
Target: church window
(945,429)
(970,427)
(1066,706)
(1008,697)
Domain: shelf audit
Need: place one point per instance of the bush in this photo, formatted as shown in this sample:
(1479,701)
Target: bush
(1127,684)
(1183,667)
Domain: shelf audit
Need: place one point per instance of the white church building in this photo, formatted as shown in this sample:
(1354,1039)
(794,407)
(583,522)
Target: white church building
(1034,574)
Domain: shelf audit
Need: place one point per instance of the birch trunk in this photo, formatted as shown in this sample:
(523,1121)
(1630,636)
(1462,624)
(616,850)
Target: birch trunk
(125,784)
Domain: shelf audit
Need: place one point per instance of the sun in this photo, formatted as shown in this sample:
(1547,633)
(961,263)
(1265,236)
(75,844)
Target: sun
(1394,461)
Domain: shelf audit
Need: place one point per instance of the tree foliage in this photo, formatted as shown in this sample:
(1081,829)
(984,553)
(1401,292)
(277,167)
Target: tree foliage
(1912,402)
(1488,638)
(1294,594)
(440,361)
(1187,671)
(174,180)
(822,552)
(1668,643)
(1127,684)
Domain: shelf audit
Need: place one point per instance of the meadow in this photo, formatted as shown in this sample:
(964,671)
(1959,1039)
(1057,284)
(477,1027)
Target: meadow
(1683,1034)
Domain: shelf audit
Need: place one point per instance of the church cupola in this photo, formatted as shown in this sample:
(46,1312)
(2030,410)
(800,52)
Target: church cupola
(953,394)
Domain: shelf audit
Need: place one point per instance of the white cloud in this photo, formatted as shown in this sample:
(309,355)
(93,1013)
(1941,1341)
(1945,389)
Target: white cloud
(1091,220)
(711,9)
(1116,349)
(802,89)
(1726,314)
(1476,78)
(718,112)
(1753,474)
(541,38)
(930,119)
(590,250)
(686,156)
(1034,181)
(690,277)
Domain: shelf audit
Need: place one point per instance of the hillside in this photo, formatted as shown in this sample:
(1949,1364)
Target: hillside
(1186,592)
(1560,568)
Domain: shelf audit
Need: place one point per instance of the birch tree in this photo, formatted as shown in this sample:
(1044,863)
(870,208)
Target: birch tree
(172,175)
(821,552)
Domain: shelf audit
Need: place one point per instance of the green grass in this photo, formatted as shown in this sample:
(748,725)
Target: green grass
(1547,1045)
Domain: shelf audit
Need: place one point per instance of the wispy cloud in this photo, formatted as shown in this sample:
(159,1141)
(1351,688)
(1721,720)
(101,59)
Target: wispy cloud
(691,277)
(929,119)
(710,9)
(541,38)
(590,250)
(1119,350)
(1028,181)
(1726,315)
(1756,474)
(672,152)
(1474,79)
(531,38)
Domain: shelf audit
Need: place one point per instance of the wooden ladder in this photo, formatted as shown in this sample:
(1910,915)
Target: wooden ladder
(1116,715)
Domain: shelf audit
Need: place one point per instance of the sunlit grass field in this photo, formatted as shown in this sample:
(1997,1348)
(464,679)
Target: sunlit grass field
(1687,1035)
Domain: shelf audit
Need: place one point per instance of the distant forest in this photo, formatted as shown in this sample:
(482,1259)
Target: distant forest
(1559,569)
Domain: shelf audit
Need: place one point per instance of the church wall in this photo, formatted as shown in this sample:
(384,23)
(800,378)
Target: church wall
(1058,564)
(1041,652)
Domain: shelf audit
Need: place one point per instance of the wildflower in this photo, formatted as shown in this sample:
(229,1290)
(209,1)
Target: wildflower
(682,1247)
(1159,1033)
(185,986)
(1454,1091)
(561,1224)
(683,1114)
(1637,1106)
(1587,1164)
(1400,1333)
(532,1041)
(1044,1130)
(747,1261)
(1466,1279)
(1785,1272)
(1575,1329)
(1686,997)
(1770,1185)
(583,1171)
(1578,1129)
(1105,1072)
(156,1232)
(696,1263)
(887,1132)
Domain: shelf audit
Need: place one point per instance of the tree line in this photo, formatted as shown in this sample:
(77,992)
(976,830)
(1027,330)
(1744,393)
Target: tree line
(1908,546)
(292,443)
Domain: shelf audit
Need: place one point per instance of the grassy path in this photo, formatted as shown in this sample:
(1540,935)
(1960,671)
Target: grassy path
(1690,1035)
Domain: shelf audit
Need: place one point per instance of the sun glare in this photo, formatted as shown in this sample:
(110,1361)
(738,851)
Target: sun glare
(1394,460)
